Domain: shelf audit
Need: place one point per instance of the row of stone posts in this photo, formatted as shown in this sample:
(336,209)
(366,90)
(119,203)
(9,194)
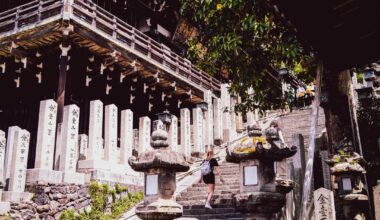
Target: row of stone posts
(65,156)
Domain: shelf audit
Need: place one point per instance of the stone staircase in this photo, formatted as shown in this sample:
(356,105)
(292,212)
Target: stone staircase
(299,122)
(193,198)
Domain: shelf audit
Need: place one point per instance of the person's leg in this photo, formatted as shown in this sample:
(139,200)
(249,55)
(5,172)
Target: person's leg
(211,188)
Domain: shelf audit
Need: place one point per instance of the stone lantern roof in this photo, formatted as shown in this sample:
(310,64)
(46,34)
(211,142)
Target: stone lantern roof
(160,157)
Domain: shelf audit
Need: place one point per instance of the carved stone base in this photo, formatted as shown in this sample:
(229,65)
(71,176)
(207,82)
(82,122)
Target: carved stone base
(257,216)
(11,196)
(161,209)
(43,176)
(259,202)
(94,164)
(130,177)
(75,178)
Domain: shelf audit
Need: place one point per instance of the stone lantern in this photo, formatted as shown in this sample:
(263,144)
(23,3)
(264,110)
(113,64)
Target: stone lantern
(261,194)
(350,194)
(159,166)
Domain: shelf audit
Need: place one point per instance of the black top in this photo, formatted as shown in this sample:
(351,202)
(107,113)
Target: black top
(210,178)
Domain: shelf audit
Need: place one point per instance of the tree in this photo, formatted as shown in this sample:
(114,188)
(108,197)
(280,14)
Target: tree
(242,40)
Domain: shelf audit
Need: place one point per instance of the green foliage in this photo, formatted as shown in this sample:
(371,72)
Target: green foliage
(241,39)
(99,197)
(369,127)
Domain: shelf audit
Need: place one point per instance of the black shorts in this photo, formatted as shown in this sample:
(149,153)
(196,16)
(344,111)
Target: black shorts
(209,178)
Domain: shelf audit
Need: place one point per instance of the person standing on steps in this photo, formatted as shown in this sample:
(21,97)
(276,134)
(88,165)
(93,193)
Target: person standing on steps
(209,164)
(274,135)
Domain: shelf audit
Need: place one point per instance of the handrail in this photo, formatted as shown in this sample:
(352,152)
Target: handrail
(112,26)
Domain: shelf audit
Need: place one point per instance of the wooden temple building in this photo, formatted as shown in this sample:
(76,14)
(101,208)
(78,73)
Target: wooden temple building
(85,81)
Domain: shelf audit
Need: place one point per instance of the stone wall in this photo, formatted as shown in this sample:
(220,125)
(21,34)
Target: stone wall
(49,200)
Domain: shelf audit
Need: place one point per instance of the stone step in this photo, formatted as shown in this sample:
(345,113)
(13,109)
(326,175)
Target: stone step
(226,183)
(203,197)
(204,192)
(220,187)
(219,201)
(216,216)
(203,210)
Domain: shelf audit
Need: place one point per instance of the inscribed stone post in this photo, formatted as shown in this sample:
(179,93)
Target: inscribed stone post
(233,117)
(2,156)
(110,133)
(43,169)
(226,107)
(185,132)
(209,120)
(19,161)
(324,204)
(83,146)
(11,138)
(218,129)
(46,135)
(173,133)
(95,143)
(376,200)
(144,134)
(198,129)
(69,140)
(126,136)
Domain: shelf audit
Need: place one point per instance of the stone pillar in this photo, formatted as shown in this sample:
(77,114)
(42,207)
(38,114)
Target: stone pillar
(3,141)
(95,130)
(324,207)
(233,118)
(218,129)
(126,136)
(144,134)
(376,199)
(43,168)
(185,132)
(198,130)
(299,171)
(83,146)
(15,191)
(11,138)
(69,142)
(226,107)
(110,133)
(173,134)
(209,120)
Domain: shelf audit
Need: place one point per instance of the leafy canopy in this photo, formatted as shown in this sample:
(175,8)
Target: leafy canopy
(241,39)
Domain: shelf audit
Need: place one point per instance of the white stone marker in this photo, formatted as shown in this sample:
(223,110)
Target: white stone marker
(3,141)
(95,143)
(185,132)
(110,133)
(209,120)
(198,130)
(46,134)
(144,134)
(83,146)
(233,118)
(126,136)
(47,122)
(19,163)
(226,107)
(173,134)
(324,204)
(69,143)
(376,199)
(218,129)
(11,138)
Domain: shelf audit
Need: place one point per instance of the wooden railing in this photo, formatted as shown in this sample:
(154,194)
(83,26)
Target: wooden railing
(101,20)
